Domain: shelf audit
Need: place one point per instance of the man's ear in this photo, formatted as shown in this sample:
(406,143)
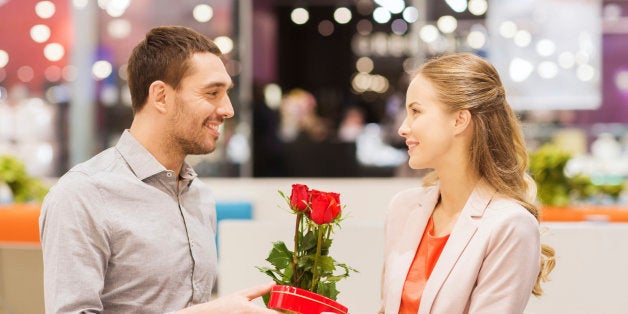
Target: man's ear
(463,120)
(157,96)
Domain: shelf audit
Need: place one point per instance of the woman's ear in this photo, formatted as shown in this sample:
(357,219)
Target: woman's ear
(463,120)
(157,96)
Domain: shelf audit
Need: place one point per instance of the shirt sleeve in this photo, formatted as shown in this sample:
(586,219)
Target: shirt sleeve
(510,268)
(75,246)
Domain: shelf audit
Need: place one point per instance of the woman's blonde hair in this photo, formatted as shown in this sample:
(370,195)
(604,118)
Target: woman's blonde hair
(498,153)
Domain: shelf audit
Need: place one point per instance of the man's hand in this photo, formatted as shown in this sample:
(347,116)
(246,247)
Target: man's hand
(238,302)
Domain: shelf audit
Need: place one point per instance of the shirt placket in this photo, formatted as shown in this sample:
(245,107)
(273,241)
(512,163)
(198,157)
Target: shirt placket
(194,246)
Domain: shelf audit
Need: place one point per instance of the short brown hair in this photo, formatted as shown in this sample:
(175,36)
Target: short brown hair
(163,55)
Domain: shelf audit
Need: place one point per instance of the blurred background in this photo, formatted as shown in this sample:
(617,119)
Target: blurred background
(319,94)
(318,82)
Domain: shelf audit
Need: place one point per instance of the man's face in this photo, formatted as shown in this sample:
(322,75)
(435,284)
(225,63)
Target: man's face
(200,105)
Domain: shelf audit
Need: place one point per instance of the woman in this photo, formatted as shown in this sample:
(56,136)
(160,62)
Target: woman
(467,241)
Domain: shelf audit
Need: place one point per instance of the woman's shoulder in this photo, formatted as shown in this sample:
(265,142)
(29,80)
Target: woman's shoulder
(404,201)
(412,195)
(509,213)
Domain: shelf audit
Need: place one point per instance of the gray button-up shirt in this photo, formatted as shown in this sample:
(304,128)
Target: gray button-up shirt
(120,234)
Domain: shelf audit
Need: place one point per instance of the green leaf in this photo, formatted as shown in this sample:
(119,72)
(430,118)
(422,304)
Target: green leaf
(347,268)
(306,262)
(310,240)
(270,272)
(287,274)
(326,265)
(266,298)
(327,289)
(280,256)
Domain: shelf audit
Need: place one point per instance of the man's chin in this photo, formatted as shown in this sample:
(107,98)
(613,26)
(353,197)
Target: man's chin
(202,150)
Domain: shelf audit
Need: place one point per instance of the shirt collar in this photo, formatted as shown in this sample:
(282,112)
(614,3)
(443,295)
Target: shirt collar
(141,162)
(187,172)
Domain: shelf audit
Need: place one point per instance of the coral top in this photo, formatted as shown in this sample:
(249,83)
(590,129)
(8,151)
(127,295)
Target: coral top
(425,258)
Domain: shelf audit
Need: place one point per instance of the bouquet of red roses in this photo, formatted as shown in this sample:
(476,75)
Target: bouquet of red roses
(308,265)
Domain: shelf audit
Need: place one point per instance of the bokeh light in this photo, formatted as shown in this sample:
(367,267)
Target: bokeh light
(119,28)
(547,70)
(478,7)
(364,64)
(40,33)
(272,95)
(54,51)
(520,69)
(45,9)
(429,33)
(25,74)
(203,13)
(224,43)
(508,29)
(342,15)
(364,27)
(4,58)
(447,24)
(299,16)
(101,69)
(326,28)
(53,73)
(381,15)
(410,14)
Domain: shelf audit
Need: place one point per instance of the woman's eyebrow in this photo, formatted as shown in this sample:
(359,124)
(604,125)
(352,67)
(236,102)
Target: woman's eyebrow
(413,104)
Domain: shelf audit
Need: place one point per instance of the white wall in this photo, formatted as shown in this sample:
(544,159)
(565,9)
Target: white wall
(366,198)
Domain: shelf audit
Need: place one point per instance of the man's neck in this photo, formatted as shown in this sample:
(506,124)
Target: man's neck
(165,154)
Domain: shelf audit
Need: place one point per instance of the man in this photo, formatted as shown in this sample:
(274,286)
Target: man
(132,229)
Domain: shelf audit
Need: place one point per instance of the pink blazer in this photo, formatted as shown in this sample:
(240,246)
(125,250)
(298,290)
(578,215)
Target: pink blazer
(489,264)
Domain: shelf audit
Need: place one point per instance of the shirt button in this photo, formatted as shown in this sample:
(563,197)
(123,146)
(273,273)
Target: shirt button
(169,174)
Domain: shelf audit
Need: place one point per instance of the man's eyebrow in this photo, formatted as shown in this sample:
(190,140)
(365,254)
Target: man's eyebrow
(220,84)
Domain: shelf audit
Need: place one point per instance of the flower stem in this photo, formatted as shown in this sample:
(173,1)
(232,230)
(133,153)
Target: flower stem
(296,248)
(315,274)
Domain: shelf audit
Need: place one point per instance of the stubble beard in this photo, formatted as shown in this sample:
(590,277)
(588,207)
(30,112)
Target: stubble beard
(189,137)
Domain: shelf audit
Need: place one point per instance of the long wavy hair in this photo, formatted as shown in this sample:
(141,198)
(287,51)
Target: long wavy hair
(498,153)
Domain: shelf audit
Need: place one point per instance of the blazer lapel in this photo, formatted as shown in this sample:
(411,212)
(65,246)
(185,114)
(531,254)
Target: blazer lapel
(411,236)
(463,231)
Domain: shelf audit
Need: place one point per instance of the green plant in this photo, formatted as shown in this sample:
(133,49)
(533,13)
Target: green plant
(24,187)
(555,188)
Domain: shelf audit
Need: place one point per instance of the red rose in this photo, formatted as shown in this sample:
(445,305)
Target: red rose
(325,207)
(300,197)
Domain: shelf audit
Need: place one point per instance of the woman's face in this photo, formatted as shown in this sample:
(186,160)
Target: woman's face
(427,127)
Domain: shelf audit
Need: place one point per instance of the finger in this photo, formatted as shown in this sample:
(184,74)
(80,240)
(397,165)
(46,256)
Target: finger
(257,291)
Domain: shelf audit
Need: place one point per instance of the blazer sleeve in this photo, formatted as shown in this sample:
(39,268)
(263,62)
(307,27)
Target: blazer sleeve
(511,265)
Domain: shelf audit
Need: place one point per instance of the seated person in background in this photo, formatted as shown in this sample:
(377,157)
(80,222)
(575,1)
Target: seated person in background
(132,230)
(299,119)
(468,240)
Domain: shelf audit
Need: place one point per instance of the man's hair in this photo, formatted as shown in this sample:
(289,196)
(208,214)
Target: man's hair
(164,55)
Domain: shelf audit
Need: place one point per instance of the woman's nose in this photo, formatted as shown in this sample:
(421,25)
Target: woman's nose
(403,129)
